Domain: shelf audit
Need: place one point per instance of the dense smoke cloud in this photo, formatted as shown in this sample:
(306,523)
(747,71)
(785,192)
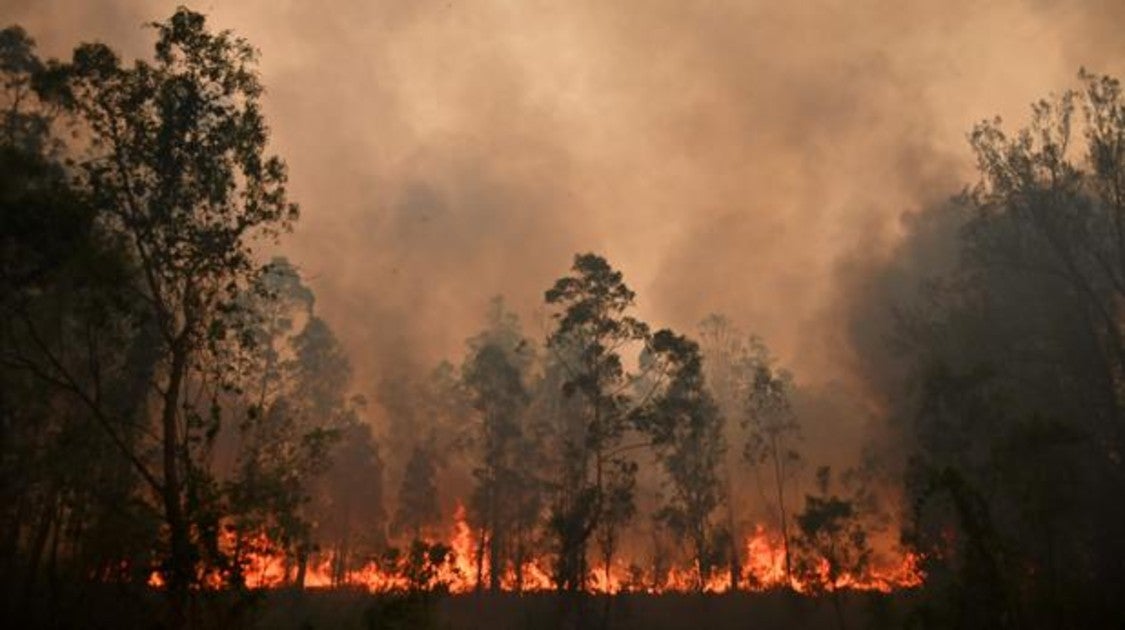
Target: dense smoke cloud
(741,157)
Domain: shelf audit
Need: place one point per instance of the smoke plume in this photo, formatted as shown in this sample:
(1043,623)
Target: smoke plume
(750,158)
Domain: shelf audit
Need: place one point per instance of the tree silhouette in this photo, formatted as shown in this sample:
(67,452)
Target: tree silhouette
(177,163)
(418,495)
(772,429)
(494,375)
(687,436)
(833,542)
(596,489)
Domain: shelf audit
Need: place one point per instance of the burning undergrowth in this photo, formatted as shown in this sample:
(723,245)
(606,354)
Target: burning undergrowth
(457,565)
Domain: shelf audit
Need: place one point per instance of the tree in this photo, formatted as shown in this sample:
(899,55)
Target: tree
(70,503)
(596,487)
(178,166)
(417,496)
(832,540)
(724,358)
(493,373)
(772,426)
(297,378)
(29,89)
(686,432)
(427,410)
(1015,415)
(350,501)
(1059,217)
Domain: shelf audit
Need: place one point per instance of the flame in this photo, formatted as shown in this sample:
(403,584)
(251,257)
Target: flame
(765,566)
(465,569)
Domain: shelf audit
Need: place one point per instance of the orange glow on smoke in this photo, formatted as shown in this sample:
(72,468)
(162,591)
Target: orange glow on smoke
(266,565)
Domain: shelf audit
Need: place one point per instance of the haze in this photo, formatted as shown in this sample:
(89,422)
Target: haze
(736,157)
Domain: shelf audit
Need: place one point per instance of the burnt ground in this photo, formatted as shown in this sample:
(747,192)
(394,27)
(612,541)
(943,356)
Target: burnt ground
(345,609)
(627,611)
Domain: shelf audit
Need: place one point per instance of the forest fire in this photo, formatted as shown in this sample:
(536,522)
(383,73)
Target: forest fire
(654,301)
(453,566)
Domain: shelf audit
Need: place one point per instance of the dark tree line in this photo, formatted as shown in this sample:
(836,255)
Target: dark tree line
(1011,404)
(167,399)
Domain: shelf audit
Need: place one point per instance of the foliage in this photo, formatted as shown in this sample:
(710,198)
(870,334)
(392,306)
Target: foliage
(506,500)
(686,434)
(833,542)
(595,490)
(1017,359)
(417,496)
(772,429)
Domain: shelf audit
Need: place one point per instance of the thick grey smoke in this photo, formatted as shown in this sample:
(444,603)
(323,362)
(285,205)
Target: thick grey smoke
(742,157)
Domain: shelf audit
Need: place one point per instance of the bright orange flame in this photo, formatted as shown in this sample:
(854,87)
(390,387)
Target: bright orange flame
(765,567)
(266,565)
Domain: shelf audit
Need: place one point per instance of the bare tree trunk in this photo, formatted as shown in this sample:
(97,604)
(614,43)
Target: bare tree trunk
(56,541)
(480,559)
(302,566)
(10,545)
(735,552)
(39,545)
(238,579)
(343,549)
(180,567)
(340,562)
(519,561)
(495,571)
(779,478)
(700,553)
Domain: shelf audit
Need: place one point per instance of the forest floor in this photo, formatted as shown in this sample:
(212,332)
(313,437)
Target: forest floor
(351,609)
